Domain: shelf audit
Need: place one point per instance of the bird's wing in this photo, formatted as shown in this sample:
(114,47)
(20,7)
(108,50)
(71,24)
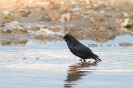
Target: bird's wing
(80,50)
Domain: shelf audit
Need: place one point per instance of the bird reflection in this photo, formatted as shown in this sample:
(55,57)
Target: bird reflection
(75,72)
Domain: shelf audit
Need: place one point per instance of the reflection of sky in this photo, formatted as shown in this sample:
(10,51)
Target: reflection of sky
(58,45)
(117,40)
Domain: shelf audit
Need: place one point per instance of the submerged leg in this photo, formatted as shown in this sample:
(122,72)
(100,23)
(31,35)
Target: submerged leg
(84,60)
(80,59)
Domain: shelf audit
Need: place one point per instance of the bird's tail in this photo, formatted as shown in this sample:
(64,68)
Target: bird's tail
(96,57)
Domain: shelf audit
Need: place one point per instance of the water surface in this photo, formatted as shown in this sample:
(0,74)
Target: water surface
(52,65)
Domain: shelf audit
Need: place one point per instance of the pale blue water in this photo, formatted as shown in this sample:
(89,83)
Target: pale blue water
(51,65)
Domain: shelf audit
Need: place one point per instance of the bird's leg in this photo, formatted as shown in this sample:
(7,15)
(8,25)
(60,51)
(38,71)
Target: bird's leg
(84,60)
(81,60)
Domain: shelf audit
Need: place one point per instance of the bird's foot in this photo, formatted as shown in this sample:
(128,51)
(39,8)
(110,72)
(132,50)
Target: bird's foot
(81,60)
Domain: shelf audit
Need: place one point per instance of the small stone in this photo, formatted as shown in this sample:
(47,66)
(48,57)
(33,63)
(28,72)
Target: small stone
(7,15)
(24,12)
(102,12)
(65,7)
(38,33)
(5,12)
(100,5)
(131,17)
(9,31)
(21,29)
(75,16)
(112,28)
(92,19)
(95,15)
(11,26)
(125,44)
(54,15)
(92,45)
(101,20)
(37,58)
(127,23)
(45,17)
(101,28)
(41,33)
(55,5)
(35,28)
(97,27)
(6,31)
(120,16)
(87,12)
(125,15)
(75,9)
(44,29)
(120,21)
(32,4)
(64,17)
(12,23)
(44,32)
(86,17)
(6,43)
(55,29)
(67,16)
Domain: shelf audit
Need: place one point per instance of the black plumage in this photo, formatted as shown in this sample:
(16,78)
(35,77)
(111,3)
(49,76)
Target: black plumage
(79,49)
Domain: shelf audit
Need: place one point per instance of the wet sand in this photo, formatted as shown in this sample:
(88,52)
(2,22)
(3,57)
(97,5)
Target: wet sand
(51,65)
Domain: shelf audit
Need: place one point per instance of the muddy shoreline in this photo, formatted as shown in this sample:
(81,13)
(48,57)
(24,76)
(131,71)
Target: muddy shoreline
(80,29)
(50,20)
(99,21)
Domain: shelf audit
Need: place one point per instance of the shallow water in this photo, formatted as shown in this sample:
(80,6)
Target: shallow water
(51,65)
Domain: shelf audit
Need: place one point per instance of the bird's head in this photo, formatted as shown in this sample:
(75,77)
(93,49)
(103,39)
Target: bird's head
(68,37)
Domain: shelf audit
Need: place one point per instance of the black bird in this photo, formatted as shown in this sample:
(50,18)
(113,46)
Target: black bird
(79,49)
